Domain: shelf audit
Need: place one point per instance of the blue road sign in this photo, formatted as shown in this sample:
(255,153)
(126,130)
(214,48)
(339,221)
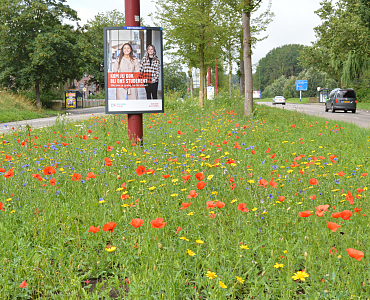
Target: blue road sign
(301,85)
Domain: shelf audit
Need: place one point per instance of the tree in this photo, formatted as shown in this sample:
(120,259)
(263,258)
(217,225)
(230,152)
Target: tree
(94,33)
(191,32)
(37,49)
(342,46)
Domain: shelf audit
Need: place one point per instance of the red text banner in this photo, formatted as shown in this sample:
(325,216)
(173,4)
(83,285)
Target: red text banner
(124,80)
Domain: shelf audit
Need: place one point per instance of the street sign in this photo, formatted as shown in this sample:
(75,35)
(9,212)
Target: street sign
(301,85)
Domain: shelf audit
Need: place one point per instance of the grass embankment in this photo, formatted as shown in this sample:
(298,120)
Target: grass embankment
(18,108)
(80,214)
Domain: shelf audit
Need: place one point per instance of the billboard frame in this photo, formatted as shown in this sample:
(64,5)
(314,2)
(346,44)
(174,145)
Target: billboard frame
(161,77)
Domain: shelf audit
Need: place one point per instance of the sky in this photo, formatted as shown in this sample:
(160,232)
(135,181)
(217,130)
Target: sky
(293,22)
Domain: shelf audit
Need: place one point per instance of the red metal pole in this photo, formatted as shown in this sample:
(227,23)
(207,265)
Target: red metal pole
(135,122)
(209,76)
(216,76)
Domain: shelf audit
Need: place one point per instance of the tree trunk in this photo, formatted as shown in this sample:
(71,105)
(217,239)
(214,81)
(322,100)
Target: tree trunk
(230,72)
(242,77)
(37,90)
(191,82)
(247,57)
(201,67)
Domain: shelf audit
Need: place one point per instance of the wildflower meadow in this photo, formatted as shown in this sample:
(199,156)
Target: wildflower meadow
(212,205)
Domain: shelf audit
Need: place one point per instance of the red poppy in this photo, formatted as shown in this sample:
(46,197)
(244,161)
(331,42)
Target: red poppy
(158,223)
(273,183)
(166,176)
(109,148)
(346,214)
(357,210)
(178,228)
(304,214)
(232,186)
(137,222)
(243,207)
(108,161)
(8,174)
(268,150)
(225,142)
(349,197)
(1,206)
(200,176)
(336,215)
(313,197)
(321,209)
(293,125)
(210,204)
(90,175)
(314,181)
(341,173)
(272,156)
(94,229)
(49,171)
(193,194)
(263,182)
(185,205)
(364,174)
(281,198)
(220,204)
(53,181)
(140,170)
(230,161)
(321,157)
(186,178)
(333,226)
(76,177)
(201,185)
(253,152)
(109,227)
(37,176)
(2,170)
(23,284)
(149,171)
(356,254)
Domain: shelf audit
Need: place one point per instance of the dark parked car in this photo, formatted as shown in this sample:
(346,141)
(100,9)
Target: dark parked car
(341,99)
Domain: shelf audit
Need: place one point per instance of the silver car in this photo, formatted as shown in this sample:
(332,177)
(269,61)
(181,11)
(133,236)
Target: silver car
(278,100)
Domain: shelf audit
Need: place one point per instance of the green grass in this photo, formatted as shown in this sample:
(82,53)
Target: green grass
(18,108)
(44,228)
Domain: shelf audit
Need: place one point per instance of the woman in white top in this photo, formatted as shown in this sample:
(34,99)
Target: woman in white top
(126,62)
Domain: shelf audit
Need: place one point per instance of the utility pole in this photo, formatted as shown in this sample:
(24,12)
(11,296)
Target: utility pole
(135,122)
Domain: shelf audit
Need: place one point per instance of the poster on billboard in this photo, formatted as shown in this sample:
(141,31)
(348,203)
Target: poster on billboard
(210,92)
(70,99)
(257,94)
(133,64)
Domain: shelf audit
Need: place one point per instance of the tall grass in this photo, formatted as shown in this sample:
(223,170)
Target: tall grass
(243,226)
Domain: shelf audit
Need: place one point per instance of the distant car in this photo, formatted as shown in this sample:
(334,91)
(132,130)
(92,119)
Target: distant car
(278,100)
(341,99)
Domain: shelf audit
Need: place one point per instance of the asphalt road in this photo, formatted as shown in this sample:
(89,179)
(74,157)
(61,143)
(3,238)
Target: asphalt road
(360,118)
(72,115)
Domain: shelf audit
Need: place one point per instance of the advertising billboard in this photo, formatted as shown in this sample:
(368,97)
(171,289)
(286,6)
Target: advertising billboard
(133,65)
(70,99)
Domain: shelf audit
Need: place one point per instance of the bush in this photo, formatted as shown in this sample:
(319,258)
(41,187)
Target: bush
(98,95)
(363,95)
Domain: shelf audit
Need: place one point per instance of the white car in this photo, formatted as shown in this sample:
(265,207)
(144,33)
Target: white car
(278,100)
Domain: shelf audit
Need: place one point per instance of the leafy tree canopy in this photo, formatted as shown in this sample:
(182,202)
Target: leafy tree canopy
(37,49)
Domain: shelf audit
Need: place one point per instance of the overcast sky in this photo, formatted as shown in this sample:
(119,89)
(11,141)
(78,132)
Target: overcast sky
(293,22)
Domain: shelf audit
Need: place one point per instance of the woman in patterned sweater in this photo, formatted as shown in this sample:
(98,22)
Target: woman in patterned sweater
(150,67)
